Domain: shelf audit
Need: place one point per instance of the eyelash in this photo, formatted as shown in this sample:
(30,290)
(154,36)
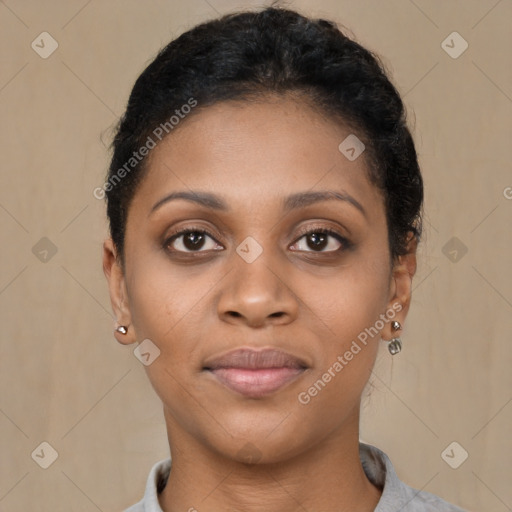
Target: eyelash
(345,243)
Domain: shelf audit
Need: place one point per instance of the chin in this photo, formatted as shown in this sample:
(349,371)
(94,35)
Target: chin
(260,446)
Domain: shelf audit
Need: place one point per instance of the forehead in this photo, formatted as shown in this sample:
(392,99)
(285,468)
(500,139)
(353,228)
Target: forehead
(251,152)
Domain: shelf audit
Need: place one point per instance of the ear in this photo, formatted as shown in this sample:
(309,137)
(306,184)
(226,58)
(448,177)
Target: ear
(118,294)
(400,292)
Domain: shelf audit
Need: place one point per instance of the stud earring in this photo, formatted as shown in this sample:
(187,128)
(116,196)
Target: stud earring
(122,329)
(395,345)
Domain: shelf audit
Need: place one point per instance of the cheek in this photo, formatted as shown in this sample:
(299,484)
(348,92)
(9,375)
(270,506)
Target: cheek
(349,300)
(332,392)
(166,309)
(172,307)
(345,310)
(166,300)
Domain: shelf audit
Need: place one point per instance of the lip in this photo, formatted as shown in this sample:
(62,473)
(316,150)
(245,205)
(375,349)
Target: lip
(255,373)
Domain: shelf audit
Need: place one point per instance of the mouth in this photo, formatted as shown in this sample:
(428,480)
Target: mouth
(253,373)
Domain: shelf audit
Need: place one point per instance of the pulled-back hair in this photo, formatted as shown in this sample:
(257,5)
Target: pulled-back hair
(275,51)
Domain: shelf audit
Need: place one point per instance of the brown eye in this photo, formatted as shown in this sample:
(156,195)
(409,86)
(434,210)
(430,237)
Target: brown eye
(320,240)
(191,240)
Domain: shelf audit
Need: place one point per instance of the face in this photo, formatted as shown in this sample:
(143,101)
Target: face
(265,281)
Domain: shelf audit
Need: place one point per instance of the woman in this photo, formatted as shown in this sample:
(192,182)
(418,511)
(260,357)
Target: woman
(264,200)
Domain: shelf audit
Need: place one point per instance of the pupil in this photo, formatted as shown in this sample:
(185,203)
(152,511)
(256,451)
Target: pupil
(193,240)
(318,240)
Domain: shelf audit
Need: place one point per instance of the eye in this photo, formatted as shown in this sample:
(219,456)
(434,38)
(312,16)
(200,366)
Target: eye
(321,240)
(196,240)
(192,240)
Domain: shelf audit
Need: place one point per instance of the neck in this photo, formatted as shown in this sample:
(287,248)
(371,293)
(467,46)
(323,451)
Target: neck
(328,477)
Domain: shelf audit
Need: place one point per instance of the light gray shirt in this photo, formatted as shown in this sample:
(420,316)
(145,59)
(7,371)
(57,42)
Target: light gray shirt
(396,496)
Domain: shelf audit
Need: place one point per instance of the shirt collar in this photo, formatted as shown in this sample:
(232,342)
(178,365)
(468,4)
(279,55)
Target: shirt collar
(378,468)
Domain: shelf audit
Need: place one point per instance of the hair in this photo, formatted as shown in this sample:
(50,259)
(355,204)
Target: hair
(248,56)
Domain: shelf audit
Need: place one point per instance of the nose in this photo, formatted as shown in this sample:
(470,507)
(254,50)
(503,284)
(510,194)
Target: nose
(256,294)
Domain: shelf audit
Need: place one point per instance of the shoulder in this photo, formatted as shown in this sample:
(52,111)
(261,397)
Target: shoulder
(396,495)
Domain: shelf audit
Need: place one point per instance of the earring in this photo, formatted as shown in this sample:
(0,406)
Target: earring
(395,345)
(396,326)
(122,329)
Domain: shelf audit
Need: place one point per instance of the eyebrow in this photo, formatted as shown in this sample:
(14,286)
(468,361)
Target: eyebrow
(292,202)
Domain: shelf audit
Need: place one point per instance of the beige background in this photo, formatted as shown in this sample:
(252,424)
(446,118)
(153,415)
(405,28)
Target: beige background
(63,377)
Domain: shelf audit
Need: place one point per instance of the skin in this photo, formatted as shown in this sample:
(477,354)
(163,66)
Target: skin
(306,301)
